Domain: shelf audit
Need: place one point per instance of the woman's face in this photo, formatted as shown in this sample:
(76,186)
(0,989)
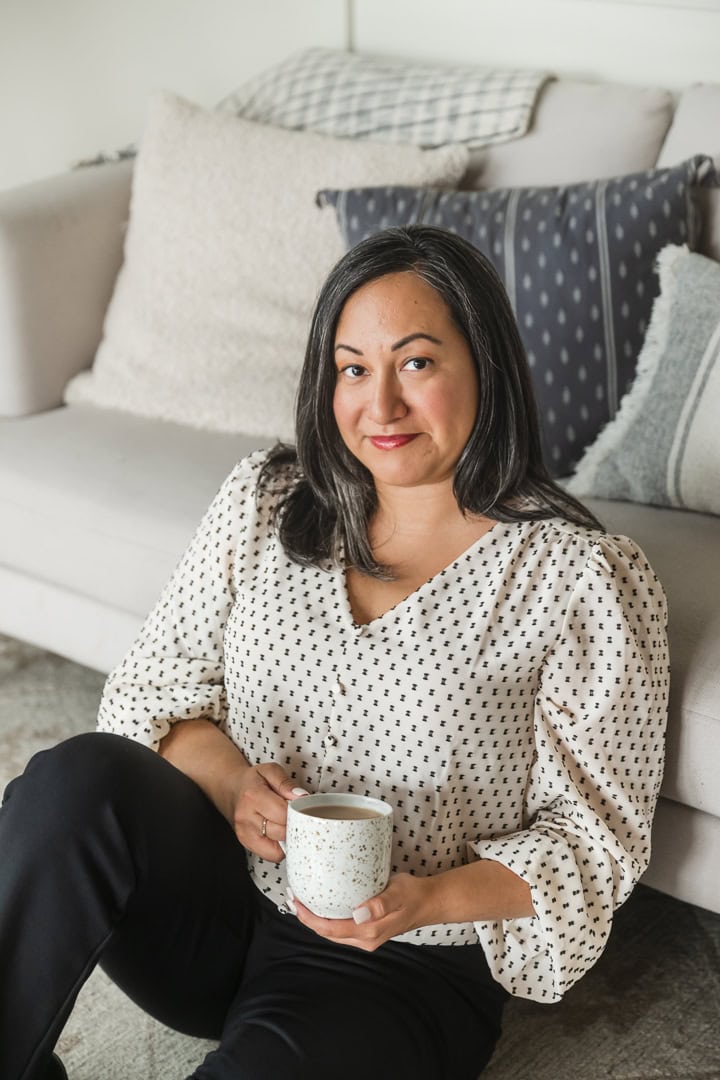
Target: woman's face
(406,394)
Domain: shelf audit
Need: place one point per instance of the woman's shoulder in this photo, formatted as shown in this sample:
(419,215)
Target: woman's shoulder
(585,549)
(265,473)
(251,491)
(557,530)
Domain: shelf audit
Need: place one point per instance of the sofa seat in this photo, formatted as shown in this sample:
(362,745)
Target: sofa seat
(101,505)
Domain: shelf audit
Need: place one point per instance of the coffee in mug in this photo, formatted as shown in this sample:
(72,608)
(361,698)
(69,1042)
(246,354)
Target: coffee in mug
(338,849)
(341,813)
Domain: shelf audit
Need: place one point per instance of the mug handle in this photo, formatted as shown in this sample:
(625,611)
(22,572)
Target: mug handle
(282,845)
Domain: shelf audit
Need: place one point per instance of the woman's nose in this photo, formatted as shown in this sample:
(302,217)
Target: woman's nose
(387,403)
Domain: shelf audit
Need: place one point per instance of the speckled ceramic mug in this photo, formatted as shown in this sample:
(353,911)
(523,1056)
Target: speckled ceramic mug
(337,862)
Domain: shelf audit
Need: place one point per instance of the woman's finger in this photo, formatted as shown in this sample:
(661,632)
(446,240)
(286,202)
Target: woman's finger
(266,794)
(273,830)
(343,931)
(280,782)
(260,811)
(373,922)
(258,801)
(251,837)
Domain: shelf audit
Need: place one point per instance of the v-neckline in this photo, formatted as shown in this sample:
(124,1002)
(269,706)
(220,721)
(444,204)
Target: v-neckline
(345,605)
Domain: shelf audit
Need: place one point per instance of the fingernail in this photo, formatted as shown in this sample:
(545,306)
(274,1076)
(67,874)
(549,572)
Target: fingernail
(361,915)
(299,791)
(290,897)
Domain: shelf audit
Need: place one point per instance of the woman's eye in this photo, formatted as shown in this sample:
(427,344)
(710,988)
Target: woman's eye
(353,371)
(417,363)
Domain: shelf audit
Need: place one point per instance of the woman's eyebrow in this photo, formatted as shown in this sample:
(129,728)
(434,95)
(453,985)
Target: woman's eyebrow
(398,344)
(413,337)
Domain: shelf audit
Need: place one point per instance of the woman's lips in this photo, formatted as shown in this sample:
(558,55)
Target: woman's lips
(391,442)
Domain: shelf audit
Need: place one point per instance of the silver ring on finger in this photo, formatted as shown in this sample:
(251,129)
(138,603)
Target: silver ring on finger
(263,830)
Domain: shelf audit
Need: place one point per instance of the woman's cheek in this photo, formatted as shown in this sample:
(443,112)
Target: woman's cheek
(346,414)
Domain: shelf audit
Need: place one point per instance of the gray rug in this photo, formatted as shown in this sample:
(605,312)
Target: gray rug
(649,1010)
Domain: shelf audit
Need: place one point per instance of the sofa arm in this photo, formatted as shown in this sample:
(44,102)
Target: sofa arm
(61,244)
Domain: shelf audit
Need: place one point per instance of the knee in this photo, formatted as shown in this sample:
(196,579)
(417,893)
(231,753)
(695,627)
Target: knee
(70,778)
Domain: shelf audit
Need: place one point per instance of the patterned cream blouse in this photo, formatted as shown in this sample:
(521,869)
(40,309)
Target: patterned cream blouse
(512,708)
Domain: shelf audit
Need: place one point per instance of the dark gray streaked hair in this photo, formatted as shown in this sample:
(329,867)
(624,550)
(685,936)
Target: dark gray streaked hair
(500,472)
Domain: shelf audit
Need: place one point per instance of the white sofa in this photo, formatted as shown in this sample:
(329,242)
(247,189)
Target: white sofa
(97,505)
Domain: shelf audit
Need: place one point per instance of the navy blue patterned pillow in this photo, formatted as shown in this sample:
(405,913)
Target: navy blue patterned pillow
(578,263)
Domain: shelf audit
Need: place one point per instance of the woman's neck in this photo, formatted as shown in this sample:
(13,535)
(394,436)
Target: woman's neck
(416,535)
(415,513)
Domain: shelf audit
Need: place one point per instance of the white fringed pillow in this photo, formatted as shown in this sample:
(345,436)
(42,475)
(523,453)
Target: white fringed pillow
(225,252)
(662,447)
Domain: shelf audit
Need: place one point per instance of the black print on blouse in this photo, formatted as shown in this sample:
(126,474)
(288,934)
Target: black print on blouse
(512,708)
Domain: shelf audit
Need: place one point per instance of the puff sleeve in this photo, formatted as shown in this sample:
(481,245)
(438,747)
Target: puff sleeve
(599,721)
(175,668)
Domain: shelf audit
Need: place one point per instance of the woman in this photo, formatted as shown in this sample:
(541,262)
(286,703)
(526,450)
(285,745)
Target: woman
(403,606)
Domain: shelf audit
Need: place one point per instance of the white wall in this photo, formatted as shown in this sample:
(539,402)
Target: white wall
(75,74)
(668,43)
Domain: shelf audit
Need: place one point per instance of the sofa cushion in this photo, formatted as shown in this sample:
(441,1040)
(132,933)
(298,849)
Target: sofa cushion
(580,131)
(60,251)
(685,860)
(696,130)
(578,265)
(629,123)
(682,548)
(102,503)
(663,446)
(225,252)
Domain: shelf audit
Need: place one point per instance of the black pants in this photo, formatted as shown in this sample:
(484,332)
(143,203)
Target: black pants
(109,854)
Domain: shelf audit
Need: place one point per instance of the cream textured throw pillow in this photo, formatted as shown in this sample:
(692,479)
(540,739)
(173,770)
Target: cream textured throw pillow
(225,252)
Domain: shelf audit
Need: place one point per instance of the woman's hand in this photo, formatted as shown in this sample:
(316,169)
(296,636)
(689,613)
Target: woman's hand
(252,798)
(259,808)
(481,891)
(403,905)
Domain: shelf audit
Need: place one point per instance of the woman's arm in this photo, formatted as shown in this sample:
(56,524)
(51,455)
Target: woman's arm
(175,669)
(246,795)
(482,891)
